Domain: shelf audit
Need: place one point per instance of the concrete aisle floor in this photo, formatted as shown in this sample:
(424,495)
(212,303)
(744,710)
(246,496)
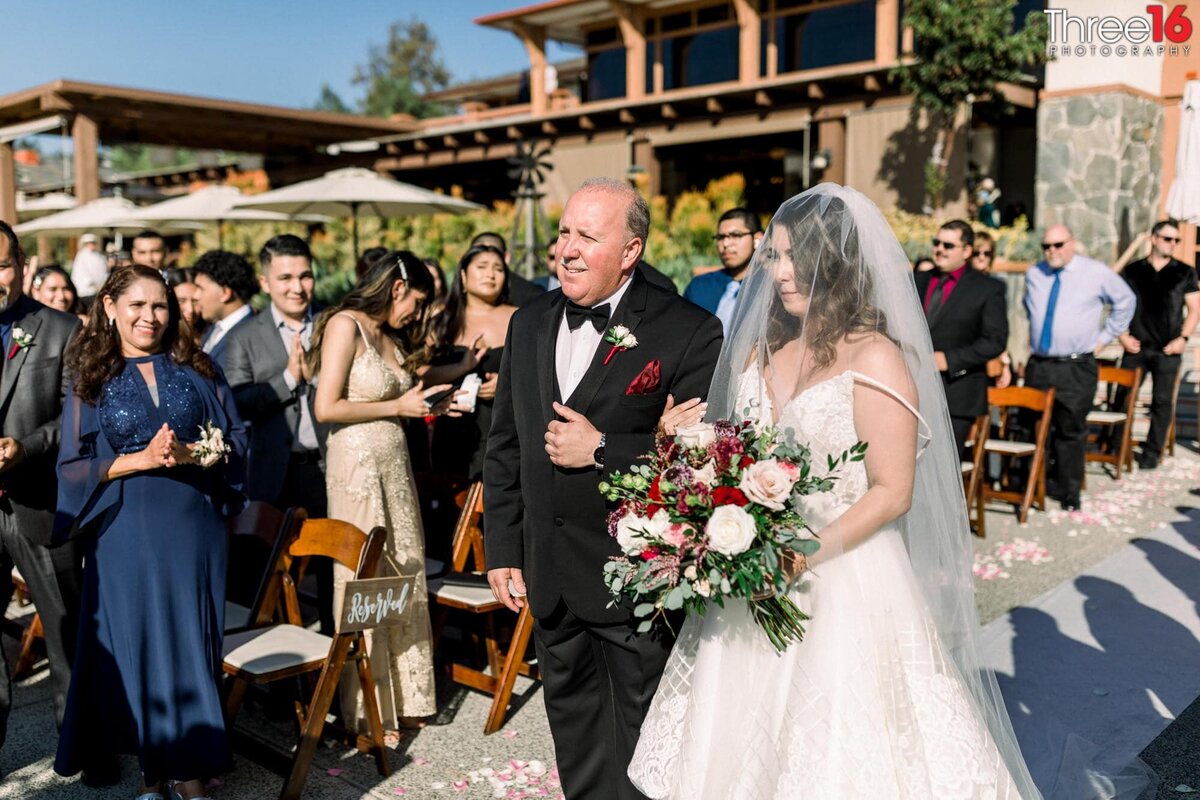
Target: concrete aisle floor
(453,759)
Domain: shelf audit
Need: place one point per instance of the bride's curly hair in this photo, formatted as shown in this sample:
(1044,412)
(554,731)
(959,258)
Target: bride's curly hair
(93,358)
(827,259)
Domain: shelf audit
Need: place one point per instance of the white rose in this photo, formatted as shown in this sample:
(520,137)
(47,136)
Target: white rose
(700,434)
(730,530)
(690,572)
(767,483)
(634,533)
(703,588)
(706,475)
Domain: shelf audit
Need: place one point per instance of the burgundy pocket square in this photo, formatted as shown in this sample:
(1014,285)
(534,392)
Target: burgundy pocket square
(647,381)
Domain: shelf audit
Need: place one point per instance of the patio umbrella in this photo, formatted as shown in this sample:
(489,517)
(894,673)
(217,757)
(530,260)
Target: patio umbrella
(213,204)
(33,207)
(1183,201)
(113,214)
(347,191)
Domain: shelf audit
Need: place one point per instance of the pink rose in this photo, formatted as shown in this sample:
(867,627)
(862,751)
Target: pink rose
(790,469)
(767,484)
(675,536)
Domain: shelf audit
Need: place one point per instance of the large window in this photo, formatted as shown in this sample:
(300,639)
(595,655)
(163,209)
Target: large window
(808,36)
(695,47)
(606,74)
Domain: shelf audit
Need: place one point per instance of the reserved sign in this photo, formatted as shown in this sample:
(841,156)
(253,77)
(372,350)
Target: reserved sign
(376,603)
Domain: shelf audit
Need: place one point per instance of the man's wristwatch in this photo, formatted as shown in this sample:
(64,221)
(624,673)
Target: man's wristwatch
(598,453)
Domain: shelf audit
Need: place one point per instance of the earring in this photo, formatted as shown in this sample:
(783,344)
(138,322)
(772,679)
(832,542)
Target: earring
(112,321)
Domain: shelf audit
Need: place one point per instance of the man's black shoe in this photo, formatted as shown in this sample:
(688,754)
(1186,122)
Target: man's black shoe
(1147,462)
(105,773)
(1071,503)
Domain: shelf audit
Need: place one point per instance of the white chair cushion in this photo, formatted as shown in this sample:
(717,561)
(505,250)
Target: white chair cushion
(475,596)
(1106,417)
(264,650)
(236,616)
(967,466)
(1011,448)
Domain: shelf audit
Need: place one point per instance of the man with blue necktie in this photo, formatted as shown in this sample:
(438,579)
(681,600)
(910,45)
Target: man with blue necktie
(738,234)
(1065,297)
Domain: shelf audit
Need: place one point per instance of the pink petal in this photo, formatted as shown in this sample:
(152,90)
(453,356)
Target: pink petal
(333,772)
(510,734)
(420,761)
(461,786)
(399,790)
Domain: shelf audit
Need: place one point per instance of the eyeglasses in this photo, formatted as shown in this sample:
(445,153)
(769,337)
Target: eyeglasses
(1053,245)
(721,238)
(945,245)
(1169,239)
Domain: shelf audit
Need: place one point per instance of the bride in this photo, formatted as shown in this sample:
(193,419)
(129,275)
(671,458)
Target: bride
(885,696)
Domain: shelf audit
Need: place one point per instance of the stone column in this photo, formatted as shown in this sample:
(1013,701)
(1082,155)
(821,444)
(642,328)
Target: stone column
(887,31)
(8,184)
(86,136)
(1098,158)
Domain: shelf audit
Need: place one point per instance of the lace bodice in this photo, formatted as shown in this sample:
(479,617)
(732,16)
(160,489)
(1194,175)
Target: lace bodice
(372,380)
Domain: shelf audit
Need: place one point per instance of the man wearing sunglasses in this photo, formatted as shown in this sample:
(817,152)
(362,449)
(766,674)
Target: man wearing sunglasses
(968,323)
(1066,295)
(1165,288)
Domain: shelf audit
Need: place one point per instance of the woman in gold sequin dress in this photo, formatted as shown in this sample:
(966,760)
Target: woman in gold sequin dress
(366,389)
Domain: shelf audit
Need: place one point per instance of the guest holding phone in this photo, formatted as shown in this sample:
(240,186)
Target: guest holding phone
(366,351)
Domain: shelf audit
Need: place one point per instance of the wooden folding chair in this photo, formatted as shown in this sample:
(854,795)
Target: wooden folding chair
(1009,401)
(28,655)
(1112,419)
(1169,442)
(477,602)
(973,474)
(266,653)
(268,531)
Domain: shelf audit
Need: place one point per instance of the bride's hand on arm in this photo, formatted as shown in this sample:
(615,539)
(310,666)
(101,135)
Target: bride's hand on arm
(678,416)
(890,431)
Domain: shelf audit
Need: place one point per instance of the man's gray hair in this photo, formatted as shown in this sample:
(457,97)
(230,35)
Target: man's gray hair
(637,213)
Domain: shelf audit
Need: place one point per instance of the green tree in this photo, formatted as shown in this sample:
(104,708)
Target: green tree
(963,50)
(399,74)
(329,100)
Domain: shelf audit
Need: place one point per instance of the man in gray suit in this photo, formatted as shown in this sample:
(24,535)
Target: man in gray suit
(265,365)
(32,391)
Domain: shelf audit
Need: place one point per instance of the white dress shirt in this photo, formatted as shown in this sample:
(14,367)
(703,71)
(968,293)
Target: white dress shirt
(307,434)
(224,326)
(575,348)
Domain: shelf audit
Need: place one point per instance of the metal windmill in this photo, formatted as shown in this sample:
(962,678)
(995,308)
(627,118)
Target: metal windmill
(529,167)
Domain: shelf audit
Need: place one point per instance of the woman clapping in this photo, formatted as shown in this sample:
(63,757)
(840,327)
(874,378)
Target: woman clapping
(149,467)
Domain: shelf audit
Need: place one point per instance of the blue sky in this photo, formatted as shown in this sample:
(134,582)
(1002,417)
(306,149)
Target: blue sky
(264,51)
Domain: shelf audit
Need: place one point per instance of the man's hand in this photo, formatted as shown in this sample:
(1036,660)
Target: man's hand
(1132,345)
(1175,347)
(499,578)
(573,443)
(298,362)
(12,453)
(939,360)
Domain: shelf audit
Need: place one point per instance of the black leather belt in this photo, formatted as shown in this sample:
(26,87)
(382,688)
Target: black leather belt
(1065,359)
(305,456)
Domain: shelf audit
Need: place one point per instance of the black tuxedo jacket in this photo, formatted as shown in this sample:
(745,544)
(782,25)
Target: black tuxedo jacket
(552,522)
(32,390)
(971,328)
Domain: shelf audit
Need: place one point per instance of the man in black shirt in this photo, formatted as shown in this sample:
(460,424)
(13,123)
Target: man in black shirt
(1159,331)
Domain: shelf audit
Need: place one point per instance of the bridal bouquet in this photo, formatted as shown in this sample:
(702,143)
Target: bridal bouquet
(211,446)
(707,519)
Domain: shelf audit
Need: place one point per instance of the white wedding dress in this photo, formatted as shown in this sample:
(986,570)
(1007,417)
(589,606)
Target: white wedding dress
(868,705)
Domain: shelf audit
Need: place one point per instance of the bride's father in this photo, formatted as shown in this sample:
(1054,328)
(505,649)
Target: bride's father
(576,400)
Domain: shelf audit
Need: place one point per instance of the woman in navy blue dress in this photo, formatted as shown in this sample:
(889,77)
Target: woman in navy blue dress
(147,665)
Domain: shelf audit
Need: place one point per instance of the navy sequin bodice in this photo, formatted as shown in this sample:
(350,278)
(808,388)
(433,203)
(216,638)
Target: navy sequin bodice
(128,415)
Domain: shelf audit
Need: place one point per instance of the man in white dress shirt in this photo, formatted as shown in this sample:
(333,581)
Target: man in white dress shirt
(225,284)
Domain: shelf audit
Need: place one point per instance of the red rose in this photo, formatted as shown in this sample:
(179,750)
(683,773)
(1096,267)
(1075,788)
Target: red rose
(728,496)
(649,554)
(655,493)
(652,510)
(745,462)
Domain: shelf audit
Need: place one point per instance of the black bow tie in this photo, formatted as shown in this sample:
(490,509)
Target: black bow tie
(577,315)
